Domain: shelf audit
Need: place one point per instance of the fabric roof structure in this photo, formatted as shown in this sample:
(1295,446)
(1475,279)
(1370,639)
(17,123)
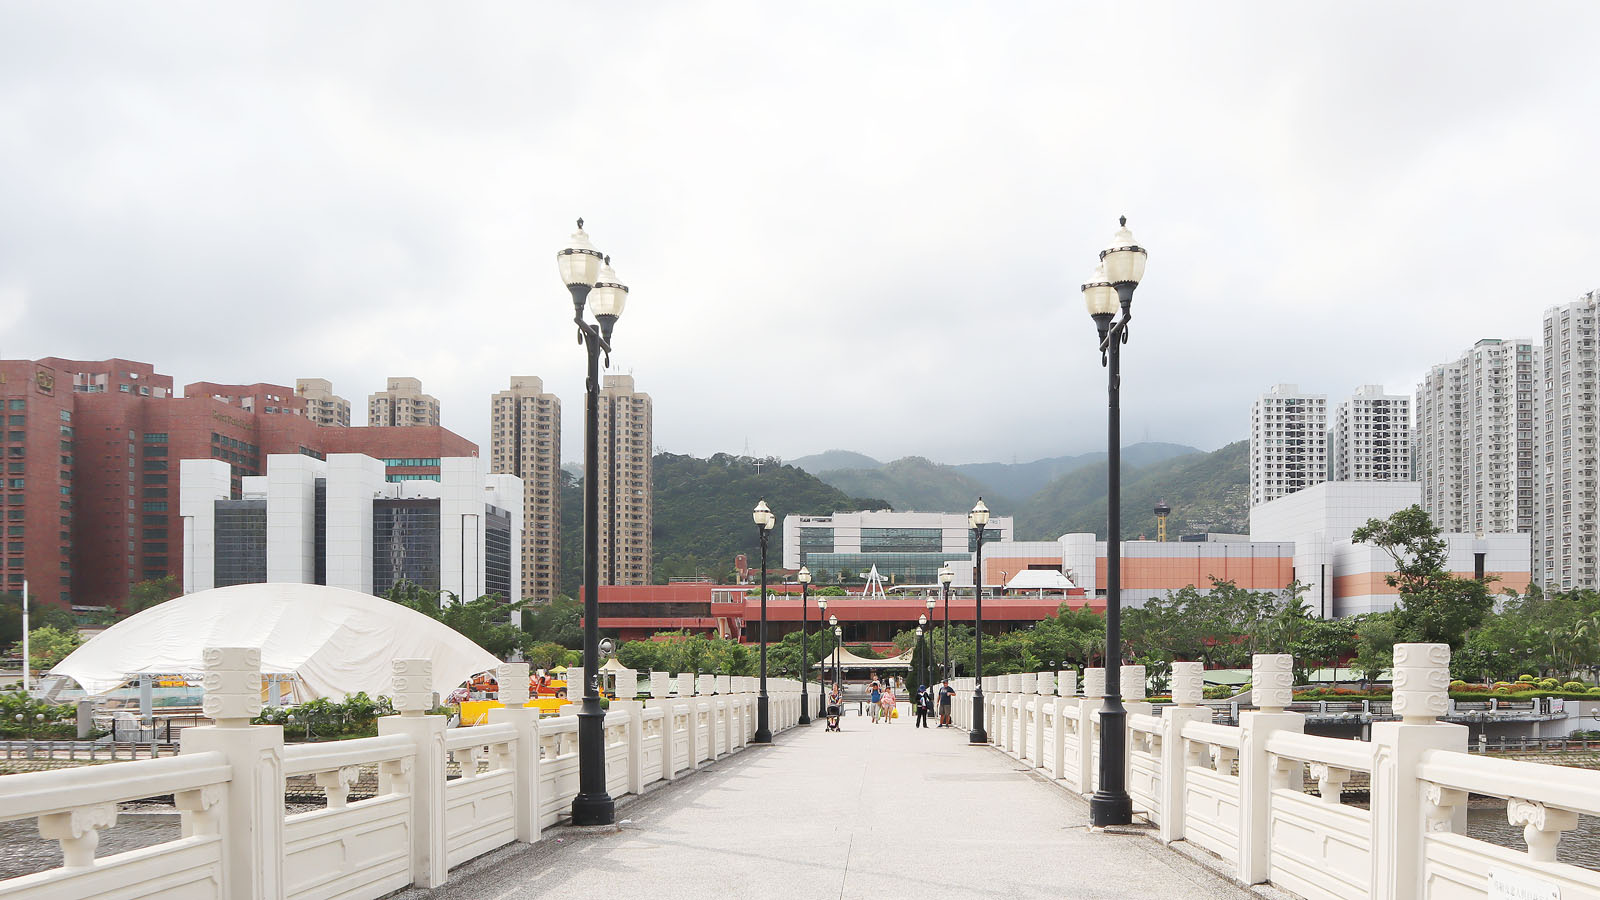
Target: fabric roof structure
(330,641)
(849,661)
(1040,580)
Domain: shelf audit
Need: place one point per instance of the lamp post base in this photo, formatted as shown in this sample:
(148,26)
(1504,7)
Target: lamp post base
(1106,808)
(805,711)
(978,735)
(763,733)
(589,810)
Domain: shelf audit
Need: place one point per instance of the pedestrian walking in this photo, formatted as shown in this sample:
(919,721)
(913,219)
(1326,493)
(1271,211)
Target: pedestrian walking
(874,702)
(924,705)
(889,705)
(835,709)
(946,696)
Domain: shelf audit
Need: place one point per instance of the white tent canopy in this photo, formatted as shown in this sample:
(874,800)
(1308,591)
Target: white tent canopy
(329,641)
(1040,580)
(849,661)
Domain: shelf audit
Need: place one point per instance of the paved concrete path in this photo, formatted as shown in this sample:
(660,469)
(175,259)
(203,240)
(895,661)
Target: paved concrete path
(877,812)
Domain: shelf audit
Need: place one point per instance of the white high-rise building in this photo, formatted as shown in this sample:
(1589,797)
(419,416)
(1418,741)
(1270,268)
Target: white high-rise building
(1474,450)
(1564,543)
(1288,442)
(1371,437)
(525,440)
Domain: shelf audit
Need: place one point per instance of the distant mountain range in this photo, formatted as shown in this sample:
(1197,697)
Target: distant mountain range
(702,506)
(915,483)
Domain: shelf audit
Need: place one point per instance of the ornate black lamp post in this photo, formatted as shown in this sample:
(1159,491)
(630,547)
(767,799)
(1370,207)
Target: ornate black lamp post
(838,638)
(804,577)
(764,519)
(946,575)
(1121,267)
(589,278)
(978,519)
(822,607)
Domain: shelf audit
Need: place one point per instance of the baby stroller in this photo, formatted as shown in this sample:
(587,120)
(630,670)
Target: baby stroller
(834,711)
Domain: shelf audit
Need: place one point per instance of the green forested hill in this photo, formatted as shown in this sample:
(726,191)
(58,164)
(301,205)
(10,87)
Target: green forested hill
(1207,492)
(702,514)
(914,483)
(702,510)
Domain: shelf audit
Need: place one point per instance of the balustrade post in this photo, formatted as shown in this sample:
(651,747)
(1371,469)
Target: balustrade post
(1400,815)
(413,697)
(1094,697)
(513,680)
(1044,698)
(252,801)
(1066,708)
(1272,690)
(1188,689)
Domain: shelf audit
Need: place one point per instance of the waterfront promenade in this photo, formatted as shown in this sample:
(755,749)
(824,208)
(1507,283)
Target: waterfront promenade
(873,812)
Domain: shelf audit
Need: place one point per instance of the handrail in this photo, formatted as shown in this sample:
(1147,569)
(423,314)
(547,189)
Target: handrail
(1211,733)
(306,759)
(557,725)
(1575,789)
(1144,723)
(42,793)
(479,735)
(1345,754)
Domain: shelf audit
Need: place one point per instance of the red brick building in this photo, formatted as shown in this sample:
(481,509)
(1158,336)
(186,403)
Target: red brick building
(92,451)
(636,612)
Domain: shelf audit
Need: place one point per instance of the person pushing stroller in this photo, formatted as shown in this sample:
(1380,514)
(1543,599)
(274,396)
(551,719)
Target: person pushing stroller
(835,709)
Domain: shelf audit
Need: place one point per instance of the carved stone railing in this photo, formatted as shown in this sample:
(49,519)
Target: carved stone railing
(445,795)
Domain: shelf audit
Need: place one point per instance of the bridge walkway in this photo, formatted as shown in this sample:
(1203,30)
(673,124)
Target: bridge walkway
(874,812)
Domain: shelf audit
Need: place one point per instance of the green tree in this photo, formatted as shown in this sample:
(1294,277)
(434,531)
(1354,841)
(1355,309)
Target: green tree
(48,645)
(39,614)
(547,655)
(484,621)
(1435,606)
(153,592)
(1375,640)
(559,622)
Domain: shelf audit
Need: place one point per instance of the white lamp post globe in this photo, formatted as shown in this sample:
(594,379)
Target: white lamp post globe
(579,261)
(979,517)
(760,514)
(1124,259)
(804,575)
(609,295)
(1099,296)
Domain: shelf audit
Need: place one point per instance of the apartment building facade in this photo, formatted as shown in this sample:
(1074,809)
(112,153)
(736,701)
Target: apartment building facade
(1476,419)
(1288,442)
(402,405)
(1565,536)
(1371,437)
(525,441)
(323,406)
(627,486)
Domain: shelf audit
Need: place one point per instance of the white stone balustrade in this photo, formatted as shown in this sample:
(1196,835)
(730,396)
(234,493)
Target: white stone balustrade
(517,775)
(1237,791)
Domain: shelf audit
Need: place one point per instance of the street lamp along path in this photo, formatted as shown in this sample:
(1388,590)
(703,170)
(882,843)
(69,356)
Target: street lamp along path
(764,520)
(1108,289)
(593,284)
(978,520)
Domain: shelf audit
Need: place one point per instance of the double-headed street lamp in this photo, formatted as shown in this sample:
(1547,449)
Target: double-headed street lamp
(804,577)
(1120,269)
(946,575)
(764,520)
(838,638)
(978,519)
(922,626)
(591,281)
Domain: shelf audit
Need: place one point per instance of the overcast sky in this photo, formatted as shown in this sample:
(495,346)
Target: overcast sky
(857,225)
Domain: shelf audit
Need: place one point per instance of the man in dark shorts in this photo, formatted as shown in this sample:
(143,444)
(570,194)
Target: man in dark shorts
(946,695)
